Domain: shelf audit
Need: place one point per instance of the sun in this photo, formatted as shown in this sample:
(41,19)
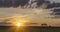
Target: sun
(18,24)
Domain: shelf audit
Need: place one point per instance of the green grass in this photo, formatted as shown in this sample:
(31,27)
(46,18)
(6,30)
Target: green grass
(29,29)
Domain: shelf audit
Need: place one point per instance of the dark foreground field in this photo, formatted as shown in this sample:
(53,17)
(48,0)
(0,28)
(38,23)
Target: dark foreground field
(29,29)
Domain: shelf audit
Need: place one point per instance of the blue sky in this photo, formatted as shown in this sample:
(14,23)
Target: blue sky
(55,0)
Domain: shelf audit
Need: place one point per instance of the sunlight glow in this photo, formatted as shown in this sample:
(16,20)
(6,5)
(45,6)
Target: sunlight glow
(18,24)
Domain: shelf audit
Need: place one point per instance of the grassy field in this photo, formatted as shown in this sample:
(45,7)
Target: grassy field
(29,29)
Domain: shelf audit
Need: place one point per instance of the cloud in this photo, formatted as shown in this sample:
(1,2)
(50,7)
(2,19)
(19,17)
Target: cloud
(29,15)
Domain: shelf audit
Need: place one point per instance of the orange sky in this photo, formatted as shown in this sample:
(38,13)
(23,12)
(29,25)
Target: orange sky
(33,15)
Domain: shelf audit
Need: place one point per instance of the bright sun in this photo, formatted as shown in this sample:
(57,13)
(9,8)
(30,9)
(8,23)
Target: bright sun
(18,24)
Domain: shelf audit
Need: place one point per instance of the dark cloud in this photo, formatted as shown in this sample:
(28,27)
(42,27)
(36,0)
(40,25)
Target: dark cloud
(22,3)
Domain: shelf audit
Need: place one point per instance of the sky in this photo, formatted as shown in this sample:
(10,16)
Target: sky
(30,15)
(55,0)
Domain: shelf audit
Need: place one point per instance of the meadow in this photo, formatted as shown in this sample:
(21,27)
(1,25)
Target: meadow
(29,29)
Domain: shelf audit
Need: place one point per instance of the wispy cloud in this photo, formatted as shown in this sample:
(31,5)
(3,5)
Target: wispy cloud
(30,15)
